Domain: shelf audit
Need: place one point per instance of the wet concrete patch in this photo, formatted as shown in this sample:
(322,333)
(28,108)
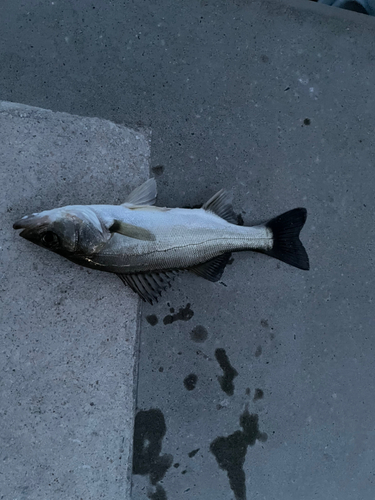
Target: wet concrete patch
(149,431)
(258,394)
(199,334)
(226,380)
(184,314)
(230,451)
(152,319)
(190,382)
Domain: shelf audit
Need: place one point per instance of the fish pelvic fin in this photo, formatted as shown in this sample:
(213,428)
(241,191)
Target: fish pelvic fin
(221,205)
(287,246)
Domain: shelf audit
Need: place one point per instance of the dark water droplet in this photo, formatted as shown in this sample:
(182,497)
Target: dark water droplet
(176,465)
(307,121)
(193,453)
(230,452)
(264,58)
(161,369)
(184,314)
(190,381)
(258,394)
(199,334)
(158,170)
(264,323)
(258,352)
(247,391)
(226,380)
(152,319)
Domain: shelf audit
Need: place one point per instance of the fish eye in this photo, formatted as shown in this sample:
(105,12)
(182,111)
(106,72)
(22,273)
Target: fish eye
(50,239)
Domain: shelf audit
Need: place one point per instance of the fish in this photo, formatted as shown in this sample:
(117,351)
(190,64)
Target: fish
(147,245)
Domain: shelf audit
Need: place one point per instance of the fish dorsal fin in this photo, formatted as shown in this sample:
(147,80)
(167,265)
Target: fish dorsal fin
(136,232)
(148,285)
(213,269)
(221,205)
(143,195)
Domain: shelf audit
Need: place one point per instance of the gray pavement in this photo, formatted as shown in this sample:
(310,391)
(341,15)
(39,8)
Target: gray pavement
(68,335)
(274,100)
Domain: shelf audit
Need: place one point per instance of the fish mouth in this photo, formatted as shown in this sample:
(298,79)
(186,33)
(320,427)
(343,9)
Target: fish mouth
(34,220)
(26,222)
(31,225)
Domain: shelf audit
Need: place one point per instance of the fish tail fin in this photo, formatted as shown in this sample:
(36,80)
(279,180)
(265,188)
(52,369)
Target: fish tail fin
(287,246)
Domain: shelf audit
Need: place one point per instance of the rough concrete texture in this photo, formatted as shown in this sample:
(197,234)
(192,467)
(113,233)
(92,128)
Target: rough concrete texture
(68,335)
(274,100)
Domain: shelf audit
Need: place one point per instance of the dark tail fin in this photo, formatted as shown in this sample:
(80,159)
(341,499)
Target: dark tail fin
(287,246)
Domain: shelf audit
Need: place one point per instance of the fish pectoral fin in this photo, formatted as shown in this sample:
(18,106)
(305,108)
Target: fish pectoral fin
(213,269)
(148,286)
(136,232)
(221,205)
(143,195)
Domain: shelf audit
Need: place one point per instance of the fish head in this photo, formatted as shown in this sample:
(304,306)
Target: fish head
(67,231)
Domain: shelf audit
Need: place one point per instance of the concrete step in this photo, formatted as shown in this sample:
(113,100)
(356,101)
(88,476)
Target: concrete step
(69,335)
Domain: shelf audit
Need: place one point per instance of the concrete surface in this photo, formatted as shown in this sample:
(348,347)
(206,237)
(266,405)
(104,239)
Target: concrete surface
(68,335)
(275,100)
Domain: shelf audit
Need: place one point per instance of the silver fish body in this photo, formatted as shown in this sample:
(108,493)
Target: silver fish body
(183,238)
(143,243)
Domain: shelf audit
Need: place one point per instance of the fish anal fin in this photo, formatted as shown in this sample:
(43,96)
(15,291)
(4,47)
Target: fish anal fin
(136,232)
(143,195)
(221,205)
(213,269)
(150,285)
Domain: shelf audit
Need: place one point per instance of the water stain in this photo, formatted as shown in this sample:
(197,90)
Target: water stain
(149,431)
(158,170)
(152,319)
(258,394)
(158,494)
(193,453)
(184,314)
(258,352)
(247,391)
(264,323)
(230,451)
(226,380)
(190,381)
(199,334)
(307,121)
